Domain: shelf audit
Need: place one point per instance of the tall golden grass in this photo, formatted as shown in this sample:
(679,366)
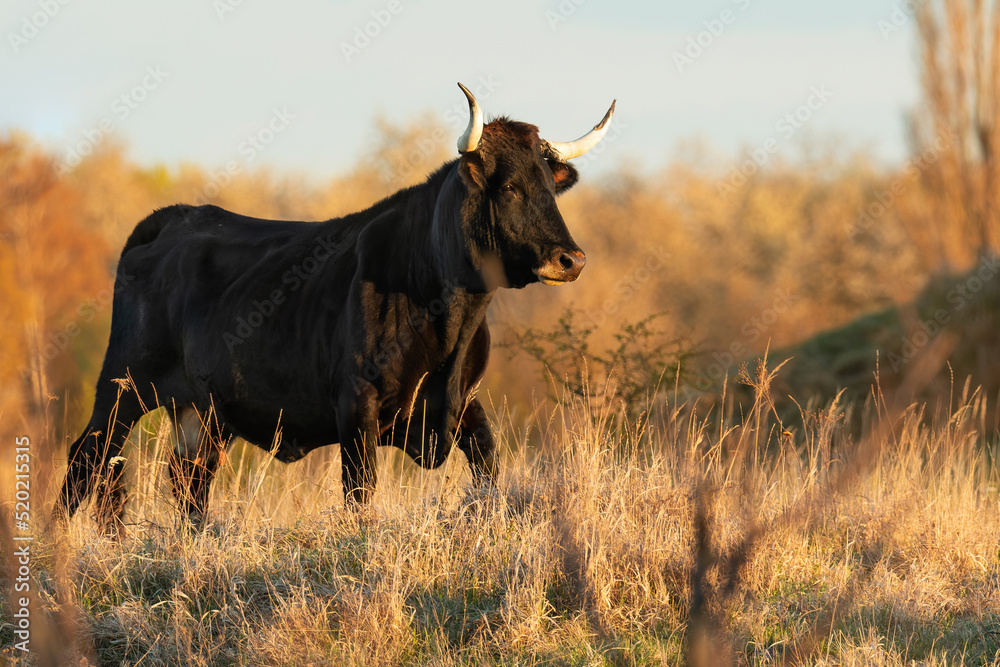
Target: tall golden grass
(674,540)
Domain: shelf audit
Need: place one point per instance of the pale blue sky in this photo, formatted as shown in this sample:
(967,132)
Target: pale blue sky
(223,73)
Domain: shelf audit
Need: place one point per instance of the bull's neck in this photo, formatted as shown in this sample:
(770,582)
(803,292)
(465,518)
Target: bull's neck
(413,243)
(441,261)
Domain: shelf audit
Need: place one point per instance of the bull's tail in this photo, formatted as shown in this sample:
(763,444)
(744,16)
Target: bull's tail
(147,230)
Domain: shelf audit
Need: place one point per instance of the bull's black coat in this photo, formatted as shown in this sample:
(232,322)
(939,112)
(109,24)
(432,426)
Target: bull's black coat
(364,330)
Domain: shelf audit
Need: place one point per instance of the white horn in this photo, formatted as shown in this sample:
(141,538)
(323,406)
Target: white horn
(470,140)
(571,149)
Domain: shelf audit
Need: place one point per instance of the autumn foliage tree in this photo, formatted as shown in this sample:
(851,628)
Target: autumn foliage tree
(54,281)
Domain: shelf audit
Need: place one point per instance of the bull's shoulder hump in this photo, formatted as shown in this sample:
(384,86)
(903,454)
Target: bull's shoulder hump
(382,240)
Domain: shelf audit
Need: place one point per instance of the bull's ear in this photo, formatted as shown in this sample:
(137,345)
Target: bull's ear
(563,174)
(470,168)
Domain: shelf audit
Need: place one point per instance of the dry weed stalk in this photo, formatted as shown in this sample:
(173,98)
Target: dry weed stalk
(958,127)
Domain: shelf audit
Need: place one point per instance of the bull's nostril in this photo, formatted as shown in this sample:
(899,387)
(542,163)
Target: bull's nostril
(562,268)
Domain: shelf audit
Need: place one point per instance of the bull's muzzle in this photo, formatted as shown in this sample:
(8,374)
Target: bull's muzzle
(564,267)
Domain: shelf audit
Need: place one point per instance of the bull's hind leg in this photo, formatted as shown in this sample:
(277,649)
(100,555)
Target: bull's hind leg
(95,462)
(201,444)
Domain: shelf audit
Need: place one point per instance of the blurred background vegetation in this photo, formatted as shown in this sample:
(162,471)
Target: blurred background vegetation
(843,264)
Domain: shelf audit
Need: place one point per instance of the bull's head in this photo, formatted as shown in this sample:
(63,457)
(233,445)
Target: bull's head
(512,177)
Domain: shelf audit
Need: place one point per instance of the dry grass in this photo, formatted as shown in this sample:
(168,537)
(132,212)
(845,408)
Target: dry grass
(681,540)
(687,539)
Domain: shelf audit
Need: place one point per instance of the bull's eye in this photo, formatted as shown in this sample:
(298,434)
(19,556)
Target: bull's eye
(509,190)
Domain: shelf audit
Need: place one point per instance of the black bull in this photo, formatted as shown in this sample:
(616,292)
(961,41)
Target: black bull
(344,331)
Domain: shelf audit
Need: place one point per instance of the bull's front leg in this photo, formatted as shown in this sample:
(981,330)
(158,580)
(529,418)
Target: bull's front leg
(358,446)
(475,438)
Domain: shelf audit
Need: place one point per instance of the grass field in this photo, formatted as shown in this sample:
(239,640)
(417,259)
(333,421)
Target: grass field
(677,541)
